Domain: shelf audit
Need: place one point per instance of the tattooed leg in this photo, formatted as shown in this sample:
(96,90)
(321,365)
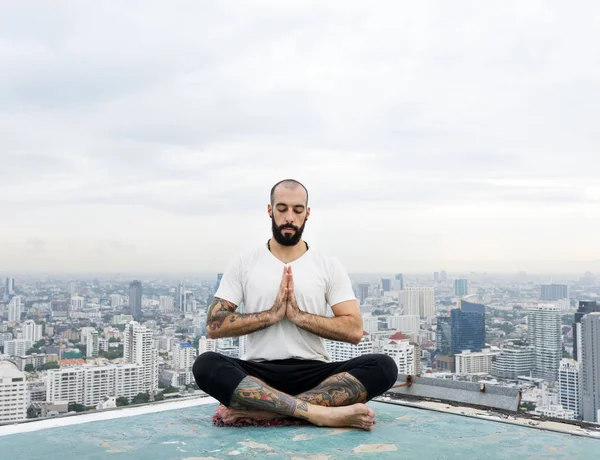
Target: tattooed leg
(255,395)
(338,390)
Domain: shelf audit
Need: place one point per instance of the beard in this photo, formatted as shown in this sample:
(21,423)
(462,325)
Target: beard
(287,239)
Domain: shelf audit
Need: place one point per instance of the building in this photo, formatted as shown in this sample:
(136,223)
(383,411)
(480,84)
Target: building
(419,301)
(135,299)
(89,336)
(181,298)
(343,351)
(553,292)
(32,331)
(13,393)
(569,385)
(403,353)
(407,324)
(370,323)
(590,367)
(461,287)
(17,347)
(468,327)
(386,284)
(5,336)
(585,307)
(219,278)
(513,361)
(184,356)
(362,292)
(89,385)
(443,335)
(14,309)
(243,345)
(555,411)
(115,300)
(205,344)
(477,362)
(544,334)
(166,303)
(77,303)
(399,278)
(9,287)
(138,349)
(37,360)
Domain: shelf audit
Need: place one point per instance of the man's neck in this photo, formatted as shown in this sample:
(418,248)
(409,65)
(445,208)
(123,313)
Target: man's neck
(287,254)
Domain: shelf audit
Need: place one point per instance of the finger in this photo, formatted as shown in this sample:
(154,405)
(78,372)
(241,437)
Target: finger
(290,279)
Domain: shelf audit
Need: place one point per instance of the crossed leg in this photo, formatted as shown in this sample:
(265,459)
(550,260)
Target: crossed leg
(338,401)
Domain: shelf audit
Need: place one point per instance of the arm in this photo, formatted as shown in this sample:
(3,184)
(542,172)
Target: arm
(345,326)
(222,320)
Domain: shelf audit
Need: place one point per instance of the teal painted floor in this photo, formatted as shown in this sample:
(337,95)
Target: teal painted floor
(401,433)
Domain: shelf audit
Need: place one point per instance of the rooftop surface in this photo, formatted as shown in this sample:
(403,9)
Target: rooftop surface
(184,430)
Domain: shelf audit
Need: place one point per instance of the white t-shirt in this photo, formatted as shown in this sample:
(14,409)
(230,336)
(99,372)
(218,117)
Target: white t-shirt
(253,278)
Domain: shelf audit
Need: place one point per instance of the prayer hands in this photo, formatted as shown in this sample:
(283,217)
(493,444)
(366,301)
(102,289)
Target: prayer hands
(292,312)
(285,303)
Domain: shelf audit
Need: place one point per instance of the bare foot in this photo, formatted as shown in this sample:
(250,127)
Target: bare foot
(355,416)
(234,415)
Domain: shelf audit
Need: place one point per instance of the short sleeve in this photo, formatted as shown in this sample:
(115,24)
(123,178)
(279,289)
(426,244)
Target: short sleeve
(339,286)
(231,286)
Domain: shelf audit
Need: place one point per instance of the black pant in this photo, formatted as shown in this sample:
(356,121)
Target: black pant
(219,375)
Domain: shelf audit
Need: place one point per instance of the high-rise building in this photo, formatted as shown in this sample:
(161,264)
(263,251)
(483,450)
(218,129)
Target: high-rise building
(407,324)
(14,309)
(205,344)
(468,327)
(477,362)
(17,347)
(569,385)
(362,292)
(553,292)
(166,303)
(9,287)
(243,344)
(386,284)
(184,356)
(443,335)
(399,281)
(419,301)
(403,353)
(590,367)
(513,361)
(461,287)
(89,336)
(139,349)
(370,323)
(13,393)
(342,351)
(135,298)
(88,385)
(77,303)
(115,300)
(181,298)
(544,333)
(32,331)
(585,307)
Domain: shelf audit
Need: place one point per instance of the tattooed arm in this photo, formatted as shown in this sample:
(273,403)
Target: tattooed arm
(223,321)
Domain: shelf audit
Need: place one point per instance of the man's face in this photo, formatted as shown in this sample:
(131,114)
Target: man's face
(289,214)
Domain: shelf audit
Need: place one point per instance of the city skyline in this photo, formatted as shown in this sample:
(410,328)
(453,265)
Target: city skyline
(464,139)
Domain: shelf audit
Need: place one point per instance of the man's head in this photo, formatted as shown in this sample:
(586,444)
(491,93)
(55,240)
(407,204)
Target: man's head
(289,211)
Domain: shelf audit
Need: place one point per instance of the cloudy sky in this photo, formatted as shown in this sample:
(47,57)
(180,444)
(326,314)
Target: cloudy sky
(144,136)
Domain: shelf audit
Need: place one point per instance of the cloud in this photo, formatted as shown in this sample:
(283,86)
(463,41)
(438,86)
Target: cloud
(123,123)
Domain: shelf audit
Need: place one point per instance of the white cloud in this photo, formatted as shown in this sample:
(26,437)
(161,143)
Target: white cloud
(140,136)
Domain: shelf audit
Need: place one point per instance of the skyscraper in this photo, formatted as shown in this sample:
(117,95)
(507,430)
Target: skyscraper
(32,331)
(590,367)
(569,385)
(400,281)
(362,293)
(181,298)
(9,286)
(443,335)
(419,301)
(14,309)
(552,292)
(544,333)
(461,287)
(139,349)
(468,327)
(386,284)
(135,298)
(585,307)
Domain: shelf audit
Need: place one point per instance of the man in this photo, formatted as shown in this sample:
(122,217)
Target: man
(285,287)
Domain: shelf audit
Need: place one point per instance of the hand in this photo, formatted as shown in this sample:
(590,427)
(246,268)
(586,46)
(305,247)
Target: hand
(279,307)
(292,311)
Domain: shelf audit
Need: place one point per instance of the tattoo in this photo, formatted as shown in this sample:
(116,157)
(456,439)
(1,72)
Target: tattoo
(218,311)
(254,394)
(338,390)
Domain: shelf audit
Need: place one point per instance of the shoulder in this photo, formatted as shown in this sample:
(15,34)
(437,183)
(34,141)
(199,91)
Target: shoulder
(249,256)
(326,261)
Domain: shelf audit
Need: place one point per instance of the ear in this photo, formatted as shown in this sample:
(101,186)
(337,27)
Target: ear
(270,210)
(308,212)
